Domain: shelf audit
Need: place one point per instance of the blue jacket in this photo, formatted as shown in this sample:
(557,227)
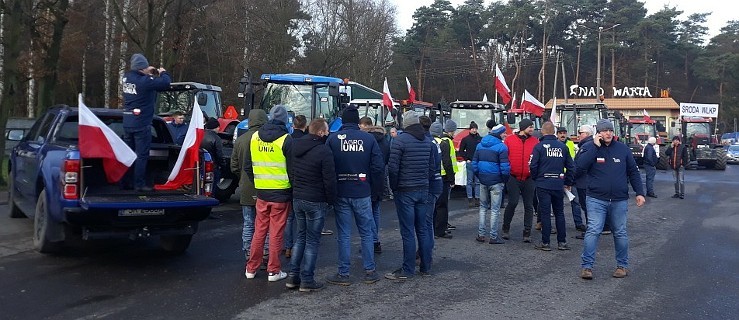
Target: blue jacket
(436,184)
(140,92)
(178,131)
(650,155)
(610,169)
(490,161)
(360,169)
(411,158)
(548,163)
(581,181)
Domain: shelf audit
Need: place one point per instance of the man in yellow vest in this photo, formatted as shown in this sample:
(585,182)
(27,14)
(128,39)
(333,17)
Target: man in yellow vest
(267,165)
(448,169)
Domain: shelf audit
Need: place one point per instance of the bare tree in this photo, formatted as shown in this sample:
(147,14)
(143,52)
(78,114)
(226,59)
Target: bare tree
(110,26)
(123,49)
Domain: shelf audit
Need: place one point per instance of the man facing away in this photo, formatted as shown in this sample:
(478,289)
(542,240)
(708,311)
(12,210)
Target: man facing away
(491,166)
(300,123)
(650,165)
(448,169)
(366,125)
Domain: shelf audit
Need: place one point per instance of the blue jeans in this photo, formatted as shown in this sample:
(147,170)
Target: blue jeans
(361,210)
(310,218)
(473,185)
(600,211)
(289,229)
(679,176)
(413,215)
(490,199)
(651,171)
(139,140)
(247,233)
(376,218)
(429,234)
(552,200)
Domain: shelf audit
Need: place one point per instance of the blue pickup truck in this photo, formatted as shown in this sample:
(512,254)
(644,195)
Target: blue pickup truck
(68,196)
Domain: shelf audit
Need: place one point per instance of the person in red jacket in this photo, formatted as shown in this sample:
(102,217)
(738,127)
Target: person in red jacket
(520,147)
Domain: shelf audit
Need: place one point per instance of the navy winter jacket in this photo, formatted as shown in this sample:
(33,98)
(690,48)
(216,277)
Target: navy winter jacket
(314,173)
(269,132)
(650,155)
(178,131)
(610,170)
(140,92)
(490,161)
(359,167)
(548,163)
(436,184)
(581,181)
(411,158)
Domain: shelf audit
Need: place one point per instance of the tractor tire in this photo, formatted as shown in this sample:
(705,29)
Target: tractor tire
(225,188)
(662,163)
(176,244)
(44,229)
(13,209)
(721,160)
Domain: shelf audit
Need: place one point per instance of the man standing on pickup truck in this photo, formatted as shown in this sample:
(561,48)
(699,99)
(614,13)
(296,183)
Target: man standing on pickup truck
(267,165)
(140,86)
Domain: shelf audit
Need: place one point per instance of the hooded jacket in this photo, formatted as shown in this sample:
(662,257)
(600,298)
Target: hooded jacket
(379,134)
(678,159)
(551,165)
(411,161)
(519,153)
(269,132)
(248,197)
(581,181)
(360,169)
(490,161)
(610,170)
(140,92)
(314,173)
(468,146)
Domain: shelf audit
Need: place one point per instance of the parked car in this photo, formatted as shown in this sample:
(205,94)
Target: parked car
(732,152)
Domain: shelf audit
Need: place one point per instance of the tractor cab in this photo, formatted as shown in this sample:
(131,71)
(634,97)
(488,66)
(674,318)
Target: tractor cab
(572,116)
(374,109)
(513,116)
(705,149)
(182,95)
(464,112)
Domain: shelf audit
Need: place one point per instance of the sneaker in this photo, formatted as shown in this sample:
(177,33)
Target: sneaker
(477,202)
(682,196)
(580,236)
(480,239)
(378,247)
(620,272)
(371,277)
(526,239)
(450,227)
(506,236)
(538,226)
(310,287)
(276,276)
(288,252)
(582,228)
(293,282)
(563,246)
(326,232)
(652,195)
(444,236)
(397,275)
(425,273)
(676,196)
(250,275)
(554,231)
(496,240)
(543,246)
(339,279)
(586,274)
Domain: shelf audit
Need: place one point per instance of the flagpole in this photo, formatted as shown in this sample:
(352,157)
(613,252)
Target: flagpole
(553,114)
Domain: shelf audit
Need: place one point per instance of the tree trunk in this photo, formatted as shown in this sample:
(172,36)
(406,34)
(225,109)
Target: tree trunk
(12,33)
(109,31)
(47,83)
(123,52)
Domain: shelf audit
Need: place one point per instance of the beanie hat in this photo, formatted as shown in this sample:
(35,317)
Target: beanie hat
(676,138)
(525,123)
(138,62)
(490,124)
(473,125)
(410,118)
(497,130)
(450,126)
(350,115)
(278,113)
(212,123)
(436,129)
(603,125)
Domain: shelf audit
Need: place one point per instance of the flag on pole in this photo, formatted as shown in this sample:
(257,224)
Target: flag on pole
(531,105)
(411,92)
(183,171)
(387,99)
(97,140)
(553,116)
(514,104)
(485,97)
(646,115)
(501,86)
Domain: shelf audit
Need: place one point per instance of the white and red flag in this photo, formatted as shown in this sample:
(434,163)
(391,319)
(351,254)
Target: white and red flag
(531,105)
(184,169)
(514,104)
(387,99)
(501,86)
(646,115)
(411,92)
(97,140)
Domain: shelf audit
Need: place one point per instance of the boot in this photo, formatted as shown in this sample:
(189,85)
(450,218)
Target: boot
(477,202)
(470,203)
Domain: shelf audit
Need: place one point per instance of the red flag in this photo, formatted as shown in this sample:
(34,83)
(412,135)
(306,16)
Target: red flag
(100,141)
(183,170)
(501,86)
(387,99)
(531,105)
(514,104)
(411,92)
(646,115)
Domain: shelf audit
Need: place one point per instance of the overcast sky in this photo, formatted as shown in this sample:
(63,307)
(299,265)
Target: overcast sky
(721,13)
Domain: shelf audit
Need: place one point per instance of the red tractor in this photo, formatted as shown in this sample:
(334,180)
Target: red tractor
(705,149)
(638,131)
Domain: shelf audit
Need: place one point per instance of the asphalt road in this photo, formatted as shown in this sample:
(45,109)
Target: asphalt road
(684,265)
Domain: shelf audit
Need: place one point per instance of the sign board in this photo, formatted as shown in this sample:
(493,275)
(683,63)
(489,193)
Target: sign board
(698,110)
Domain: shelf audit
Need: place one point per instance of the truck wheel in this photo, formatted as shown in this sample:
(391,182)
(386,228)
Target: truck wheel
(44,228)
(15,212)
(175,244)
(224,189)
(662,161)
(721,159)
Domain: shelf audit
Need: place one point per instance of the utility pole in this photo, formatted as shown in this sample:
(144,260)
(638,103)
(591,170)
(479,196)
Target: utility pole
(613,61)
(597,87)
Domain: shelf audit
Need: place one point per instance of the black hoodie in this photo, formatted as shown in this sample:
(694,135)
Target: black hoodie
(313,173)
(269,132)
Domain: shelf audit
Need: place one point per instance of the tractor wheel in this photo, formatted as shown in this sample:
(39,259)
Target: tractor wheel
(720,163)
(662,163)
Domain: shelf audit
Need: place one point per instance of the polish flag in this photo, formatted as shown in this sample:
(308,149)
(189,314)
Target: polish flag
(100,141)
(553,116)
(531,105)
(387,99)
(514,104)
(184,168)
(411,92)
(501,86)
(646,115)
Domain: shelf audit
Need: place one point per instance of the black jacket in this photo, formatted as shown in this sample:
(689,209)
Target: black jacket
(269,132)
(411,164)
(650,155)
(214,145)
(678,159)
(314,173)
(581,180)
(468,146)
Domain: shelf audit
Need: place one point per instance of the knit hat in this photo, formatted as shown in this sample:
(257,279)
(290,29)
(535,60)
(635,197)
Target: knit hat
(436,129)
(450,126)
(497,130)
(350,115)
(473,125)
(490,124)
(212,123)
(676,138)
(525,123)
(278,113)
(410,117)
(561,129)
(603,125)
(138,62)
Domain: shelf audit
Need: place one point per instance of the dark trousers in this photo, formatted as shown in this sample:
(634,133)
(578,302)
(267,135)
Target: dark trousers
(526,189)
(552,200)
(441,211)
(139,140)
(651,171)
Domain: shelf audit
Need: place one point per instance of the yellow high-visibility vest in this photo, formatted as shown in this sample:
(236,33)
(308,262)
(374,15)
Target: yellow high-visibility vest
(269,163)
(452,154)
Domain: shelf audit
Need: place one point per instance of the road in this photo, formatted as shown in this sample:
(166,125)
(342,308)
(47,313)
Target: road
(684,265)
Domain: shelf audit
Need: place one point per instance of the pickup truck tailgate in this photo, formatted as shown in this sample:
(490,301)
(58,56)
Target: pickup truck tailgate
(149,201)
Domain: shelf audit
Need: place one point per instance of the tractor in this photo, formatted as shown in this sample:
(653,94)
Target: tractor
(705,149)
(638,131)
(572,116)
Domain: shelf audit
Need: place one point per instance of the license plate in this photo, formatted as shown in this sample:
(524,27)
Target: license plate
(140,212)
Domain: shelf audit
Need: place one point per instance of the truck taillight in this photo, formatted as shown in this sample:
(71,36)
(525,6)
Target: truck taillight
(70,179)
(208,167)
